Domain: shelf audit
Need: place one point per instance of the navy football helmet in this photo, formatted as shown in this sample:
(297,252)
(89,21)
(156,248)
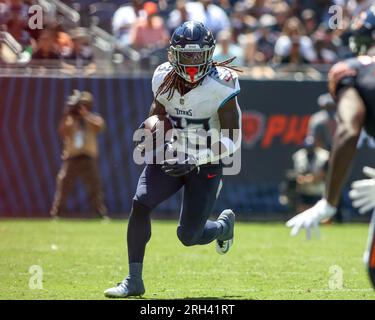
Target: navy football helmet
(191,49)
(363,32)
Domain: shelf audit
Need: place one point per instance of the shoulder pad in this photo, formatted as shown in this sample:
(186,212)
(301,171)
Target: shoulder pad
(159,75)
(164,68)
(225,76)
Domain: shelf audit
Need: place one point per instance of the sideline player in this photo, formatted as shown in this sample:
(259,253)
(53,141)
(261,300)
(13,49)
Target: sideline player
(352,83)
(195,93)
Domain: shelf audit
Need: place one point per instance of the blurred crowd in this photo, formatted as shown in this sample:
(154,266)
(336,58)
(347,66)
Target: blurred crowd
(255,31)
(52,44)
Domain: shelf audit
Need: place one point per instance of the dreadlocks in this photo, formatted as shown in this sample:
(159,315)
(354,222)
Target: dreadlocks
(173,81)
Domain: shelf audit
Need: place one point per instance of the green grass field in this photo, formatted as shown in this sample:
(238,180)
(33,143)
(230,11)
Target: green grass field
(80,259)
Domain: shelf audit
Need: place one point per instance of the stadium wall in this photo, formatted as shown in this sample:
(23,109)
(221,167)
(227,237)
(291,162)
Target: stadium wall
(275,116)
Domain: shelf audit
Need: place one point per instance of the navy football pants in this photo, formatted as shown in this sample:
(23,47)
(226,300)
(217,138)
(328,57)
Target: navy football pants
(199,196)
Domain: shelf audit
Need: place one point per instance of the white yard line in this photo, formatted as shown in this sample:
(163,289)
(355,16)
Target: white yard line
(200,290)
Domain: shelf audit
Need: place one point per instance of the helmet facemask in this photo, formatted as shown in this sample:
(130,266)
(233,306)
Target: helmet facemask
(191,63)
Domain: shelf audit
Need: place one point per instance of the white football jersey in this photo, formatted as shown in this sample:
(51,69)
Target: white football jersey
(198,109)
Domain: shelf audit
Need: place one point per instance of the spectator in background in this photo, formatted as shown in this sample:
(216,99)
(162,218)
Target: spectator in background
(124,18)
(293,46)
(259,8)
(214,18)
(165,7)
(226,5)
(261,48)
(81,56)
(310,167)
(79,128)
(46,54)
(46,48)
(227,49)
(308,20)
(64,42)
(320,8)
(4,13)
(310,164)
(241,22)
(19,5)
(324,44)
(178,15)
(312,41)
(282,13)
(355,7)
(211,15)
(362,37)
(149,33)
(322,124)
(53,44)
(305,182)
(17,26)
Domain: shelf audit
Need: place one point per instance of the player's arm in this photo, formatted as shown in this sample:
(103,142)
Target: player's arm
(156,108)
(351,113)
(230,123)
(228,140)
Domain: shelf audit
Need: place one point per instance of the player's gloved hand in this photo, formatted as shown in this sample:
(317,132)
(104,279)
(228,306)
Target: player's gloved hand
(174,169)
(311,218)
(178,166)
(363,191)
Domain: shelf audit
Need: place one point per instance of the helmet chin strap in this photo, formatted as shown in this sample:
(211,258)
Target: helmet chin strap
(191,71)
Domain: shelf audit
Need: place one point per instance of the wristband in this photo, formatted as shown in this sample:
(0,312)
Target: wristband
(327,208)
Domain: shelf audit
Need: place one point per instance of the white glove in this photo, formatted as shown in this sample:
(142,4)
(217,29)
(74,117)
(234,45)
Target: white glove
(310,218)
(363,191)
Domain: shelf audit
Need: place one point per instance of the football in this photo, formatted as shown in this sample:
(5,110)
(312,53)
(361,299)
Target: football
(158,121)
(158,125)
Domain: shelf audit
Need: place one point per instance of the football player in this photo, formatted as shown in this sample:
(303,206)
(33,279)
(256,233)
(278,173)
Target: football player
(352,83)
(195,93)
(363,196)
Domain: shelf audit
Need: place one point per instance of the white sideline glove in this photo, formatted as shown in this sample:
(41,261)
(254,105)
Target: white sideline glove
(311,218)
(363,191)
